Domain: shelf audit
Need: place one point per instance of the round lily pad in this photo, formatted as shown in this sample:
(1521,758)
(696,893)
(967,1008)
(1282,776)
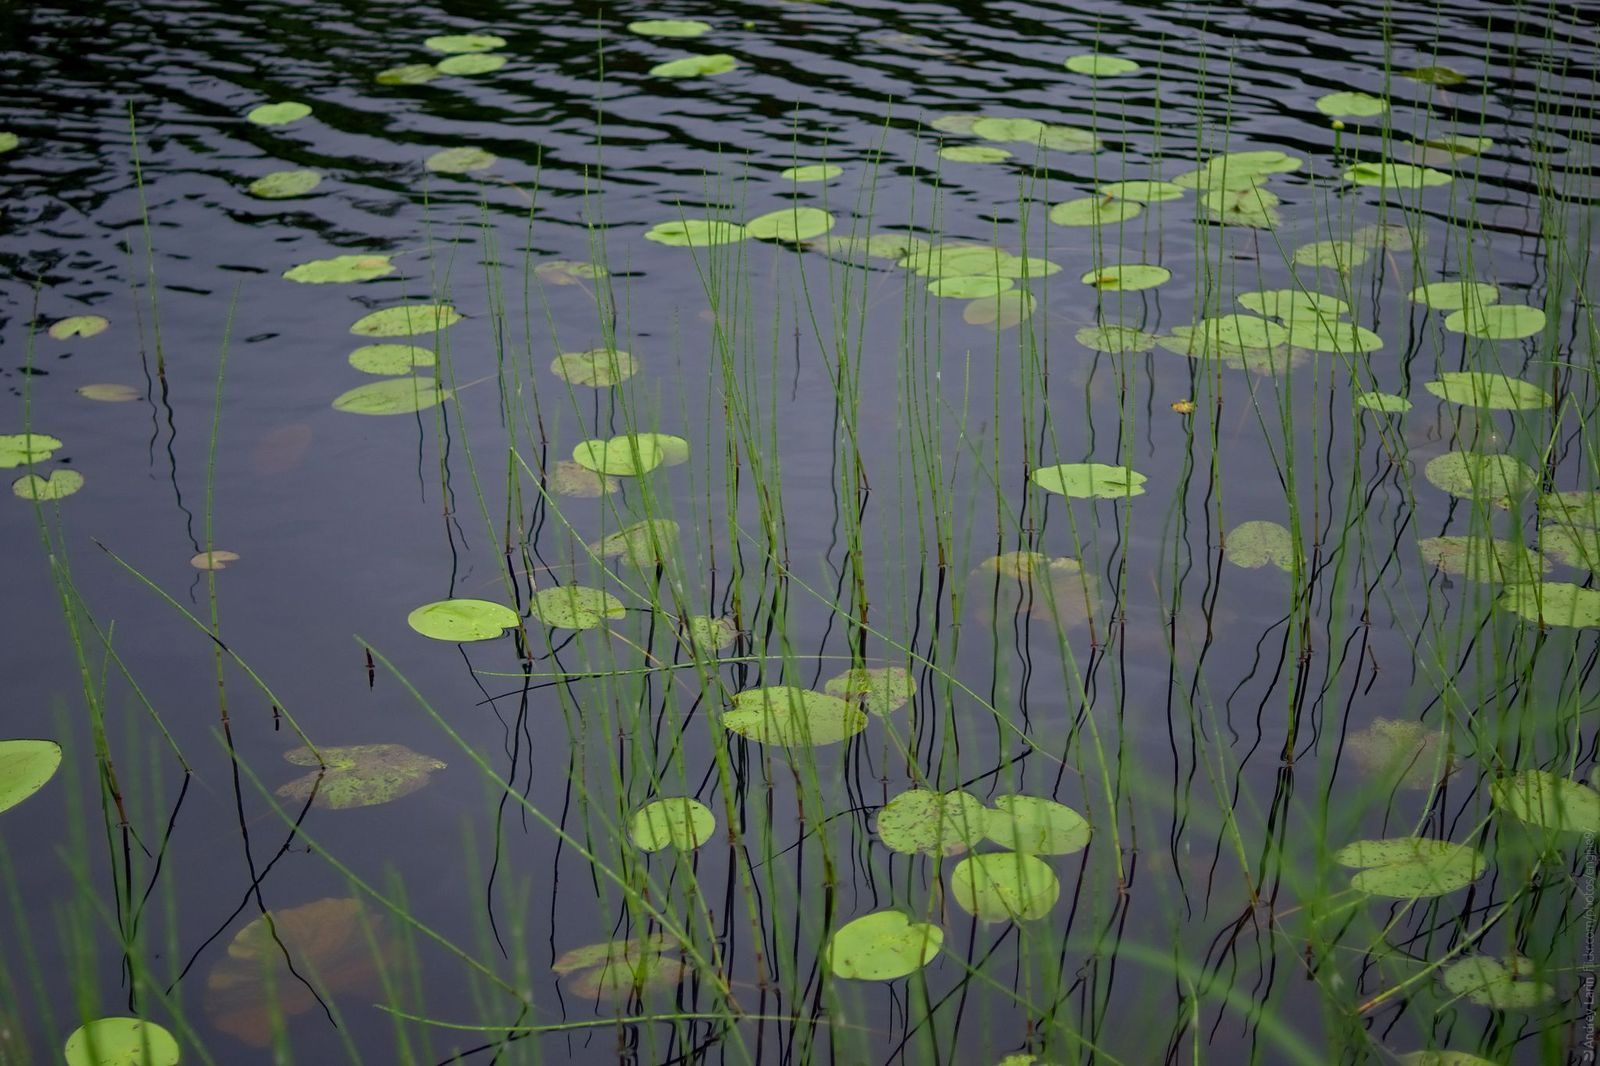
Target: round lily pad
(1352,105)
(1127,277)
(1576,546)
(1247,205)
(1001,885)
(60,483)
(696,232)
(1115,339)
(284,184)
(707,634)
(1489,982)
(1548,801)
(8,140)
(407,74)
(624,456)
(669,27)
(79,326)
(1554,603)
(1242,331)
(882,947)
(1578,508)
(1328,335)
(674,450)
(1496,321)
(973,153)
(25,766)
(391,359)
(970,286)
(1293,303)
(1454,295)
(459,43)
(341,268)
(279,114)
(216,559)
(1332,255)
(1100,66)
(1145,192)
(107,392)
(1411,867)
(1035,826)
(1021,267)
(575,607)
(790,224)
(1090,480)
(1384,402)
(459,160)
(1235,169)
(794,717)
(392,396)
(598,367)
(1489,476)
(471,63)
(1396,175)
(879,689)
(462,620)
(1094,211)
(121,1042)
(1484,558)
(695,66)
(1254,544)
(812,172)
(931,823)
(621,970)
(361,775)
(407,321)
(1494,391)
(677,821)
(25,449)
(1002,311)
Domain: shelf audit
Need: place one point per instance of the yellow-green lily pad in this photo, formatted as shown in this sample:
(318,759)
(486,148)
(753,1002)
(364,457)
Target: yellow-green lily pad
(392,396)
(1003,885)
(462,619)
(575,607)
(25,767)
(59,484)
(882,947)
(676,821)
(793,717)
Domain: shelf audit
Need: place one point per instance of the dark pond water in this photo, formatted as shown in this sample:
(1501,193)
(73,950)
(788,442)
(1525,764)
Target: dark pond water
(1330,582)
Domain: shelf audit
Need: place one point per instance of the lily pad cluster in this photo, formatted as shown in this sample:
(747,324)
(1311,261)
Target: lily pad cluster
(30,449)
(464,54)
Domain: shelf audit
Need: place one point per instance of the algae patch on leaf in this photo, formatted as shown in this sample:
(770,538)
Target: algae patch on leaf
(361,775)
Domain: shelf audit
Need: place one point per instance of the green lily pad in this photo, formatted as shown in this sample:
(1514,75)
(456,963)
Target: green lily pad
(1411,867)
(407,321)
(284,184)
(1494,391)
(1407,754)
(1454,295)
(1496,321)
(643,543)
(567,478)
(460,160)
(1498,478)
(1451,145)
(1060,138)
(463,619)
(1094,211)
(1115,339)
(1577,546)
(793,717)
(1352,105)
(1327,335)
(1384,402)
(279,114)
(391,359)
(1145,192)
(1254,544)
(954,259)
(1197,342)
(1127,277)
(8,140)
(873,246)
(25,767)
(1090,481)
(1395,236)
(25,449)
(392,396)
(1293,303)
(460,43)
(575,607)
(407,74)
(707,634)
(878,689)
(107,392)
(79,326)
(1035,826)
(1489,982)
(569,271)
(1003,885)
(60,483)
(1484,558)
(695,66)
(1332,255)
(362,775)
(622,456)
(1020,267)
(471,63)
(341,268)
(1434,75)
(674,450)
(1554,603)
(811,172)
(696,233)
(1002,311)
(1396,175)
(970,286)
(1236,169)
(882,947)
(973,153)
(1012,129)
(1444,1058)
(1100,66)
(1241,331)
(120,1042)
(1577,508)
(600,368)
(677,821)
(790,224)
(1548,801)
(669,27)
(931,823)
(1248,205)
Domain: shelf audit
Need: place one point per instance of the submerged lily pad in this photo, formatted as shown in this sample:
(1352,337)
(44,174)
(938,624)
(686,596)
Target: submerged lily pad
(676,821)
(970,286)
(1493,476)
(1434,75)
(669,27)
(600,368)
(882,947)
(362,775)
(1484,558)
(407,321)
(790,224)
(1094,211)
(1396,175)
(695,66)
(794,717)
(25,449)
(1127,277)
(1494,391)
(1454,295)
(107,392)
(1115,339)
(1254,544)
(1496,321)
(392,396)
(25,767)
(1145,192)
(569,271)
(407,74)
(696,233)
(59,484)
(707,634)
(1035,826)
(1001,311)
(391,359)
(620,970)
(461,43)
(931,823)
(628,455)
(974,153)
(575,607)
(462,619)
(1100,66)
(284,184)
(1554,603)
(1411,867)
(1548,801)
(471,63)
(1334,255)
(1489,982)
(643,543)
(1408,754)
(1001,885)
(879,689)
(341,268)
(460,160)
(279,114)
(120,1042)
(1248,205)
(812,172)
(1090,480)
(1352,105)
(1385,402)
(79,326)
(567,478)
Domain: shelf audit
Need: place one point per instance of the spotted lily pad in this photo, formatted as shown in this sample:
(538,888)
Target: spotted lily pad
(643,543)
(25,767)
(1411,867)
(284,184)
(1127,277)
(1035,826)
(794,717)
(1496,321)
(462,619)
(1115,339)
(973,153)
(696,232)
(461,43)
(25,449)
(790,224)
(1554,603)
(575,607)
(461,160)
(676,821)
(1255,544)
(1089,480)
(341,268)
(567,478)
(1502,985)
(628,455)
(79,326)
(1002,885)
(695,66)
(1247,205)
(812,172)
(362,775)
(598,367)
(882,947)
(279,114)
(407,321)
(669,27)
(1352,105)
(1094,211)
(392,396)
(1494,391)
(1498,478)
(1399,752)
(1577,546)
(59,484)
(391,359)
(708,634)
(1454,295)
(471,63)
(1100,66)
(1548,801)
(1484,558)
(931,823)
(1578,508)
(121,1042)
(879,689)
(1396,175)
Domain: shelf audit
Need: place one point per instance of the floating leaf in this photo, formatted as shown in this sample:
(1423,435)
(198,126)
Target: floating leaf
(1253,545)
(406,321)
(391,359)
(1093,211)
(1494,391)
(973,153)
(471,63)
(879,689)
(970,286)
(459,160)
(25,449)
(669,27)
(79,326)
(1127,277)
(812,172)
(1021,130)
(1334,255)
(25,766)
(1035,826)
(1395,236)
(463,619)
(217,559)
(1240,331)
(597,367)
(459,43)
(362,775)
(1022,267)
(1411,867)
(1554,603)
(622,969)
(1293,303)
(644,543)
(696,232)
(1483,558)
(1454,295)
(875,246)
(284,184)
(60,483)
(392,396)
(280,114)
(1089,480)
(882,947)
(1396,175)
(1249,205)
(1115,339)
(1002,311)
(707,634)
(1451,145)
(407,74)
(335,942)
(569,272)
(794,717)
(1100,66)
(678,821)
(1496,321)
(107,392)
(1489,982)
(1002,885)
(569,479)
(1573,545)
(626,456)
(1145,192)
(1434,75)
(955,259)
(1398,752)
(121,1042)
(674,450)
(1204,343)
(1327,335)
(695,66)
(1238,168)
(960,124)
(931,823)
(790,224)
(1385,402)
(1475,475)
(1443,1058)
(341,268)
(8,140)
(575,607)
(1579,508)
(1352,105)
(1548,801)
